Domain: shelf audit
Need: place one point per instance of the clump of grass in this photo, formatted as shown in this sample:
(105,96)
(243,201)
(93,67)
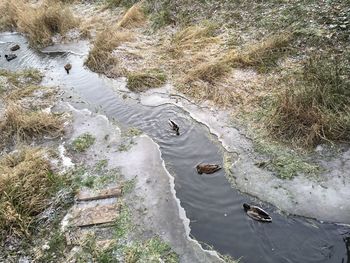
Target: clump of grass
(194,37)
(27,184)
(83,142)
(40,23)
(208,72)
(23,124)
(132,132)
(133,17)
(314,107)
(261,55)
(101,59)
(142,81)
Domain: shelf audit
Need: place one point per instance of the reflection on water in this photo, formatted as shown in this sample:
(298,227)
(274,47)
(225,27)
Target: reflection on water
(214,208)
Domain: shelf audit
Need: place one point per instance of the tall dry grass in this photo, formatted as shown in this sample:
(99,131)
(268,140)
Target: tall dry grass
(262,54)
(26,186)
(314,107)
(40,22)
(133,17)
(21,124)
(100,57)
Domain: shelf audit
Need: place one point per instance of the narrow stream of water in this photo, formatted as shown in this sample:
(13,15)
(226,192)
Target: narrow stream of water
(210,202)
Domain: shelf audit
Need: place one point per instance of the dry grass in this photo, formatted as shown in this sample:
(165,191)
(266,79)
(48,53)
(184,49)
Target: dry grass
(9,13)
(20,93)
(26,186)
(133,17)
(207,71)
(141,81)
(192,38)
(315,105)
(39,23)
(100,57)
(23,124)
(262,54)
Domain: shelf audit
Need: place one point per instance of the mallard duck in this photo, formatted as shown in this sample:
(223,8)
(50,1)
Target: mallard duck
(257,213)
(175,127)
(68,67)
(15,47)
(10,57)
(207,168)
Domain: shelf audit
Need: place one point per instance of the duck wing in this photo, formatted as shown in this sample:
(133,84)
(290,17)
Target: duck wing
(210,168)
(259,214)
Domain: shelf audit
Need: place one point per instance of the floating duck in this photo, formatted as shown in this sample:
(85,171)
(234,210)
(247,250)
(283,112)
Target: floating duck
(175,127)
(68,67)
(15,47)
(257,213)
(10,57)
(207,168)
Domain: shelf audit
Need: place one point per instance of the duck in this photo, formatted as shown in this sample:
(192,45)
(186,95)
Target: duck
(10,57)
(68,67)
(175,127)
(15,47)
(207,168)
(257,213)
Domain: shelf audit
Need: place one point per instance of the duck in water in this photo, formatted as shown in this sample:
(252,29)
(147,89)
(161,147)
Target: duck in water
(257,213)
(10,57)
(207,168)
(175,127)
(68,67)
(15,47)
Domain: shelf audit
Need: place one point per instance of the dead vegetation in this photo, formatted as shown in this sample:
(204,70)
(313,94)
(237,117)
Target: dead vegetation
(22,124)
(27,183)
(101,58)
(141,81)
(133,17)
(23,117)
(261,55)
(39,23)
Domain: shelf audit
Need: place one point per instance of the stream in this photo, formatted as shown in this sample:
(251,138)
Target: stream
(213,206)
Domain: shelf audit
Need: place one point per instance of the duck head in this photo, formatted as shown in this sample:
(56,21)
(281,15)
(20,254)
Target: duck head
(246,206)
(198,168)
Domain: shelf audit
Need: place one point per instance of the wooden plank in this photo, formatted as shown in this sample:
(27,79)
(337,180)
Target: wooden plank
(85,195)
(99,214)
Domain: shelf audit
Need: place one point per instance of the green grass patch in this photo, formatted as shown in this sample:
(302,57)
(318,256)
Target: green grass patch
(284,163)
(153,250)
(83,142)
(133,132)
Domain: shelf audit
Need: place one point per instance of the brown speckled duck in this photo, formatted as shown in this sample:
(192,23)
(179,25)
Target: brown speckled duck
(15,47)
(68,67)
(207,168)
(10,57)
(257,213)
